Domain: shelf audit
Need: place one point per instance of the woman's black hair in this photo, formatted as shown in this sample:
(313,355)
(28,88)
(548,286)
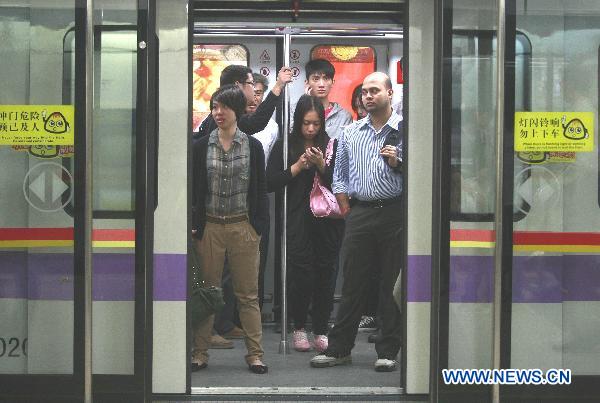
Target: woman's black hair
(232,97)
(305,104)
(356,98)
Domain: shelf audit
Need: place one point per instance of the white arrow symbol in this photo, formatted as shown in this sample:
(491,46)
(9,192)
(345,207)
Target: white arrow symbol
(58,187)
(526,190)
(38,186)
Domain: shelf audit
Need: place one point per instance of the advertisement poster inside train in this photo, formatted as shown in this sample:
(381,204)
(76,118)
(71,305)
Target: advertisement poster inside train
(352,64)
(554,131)
(208,63)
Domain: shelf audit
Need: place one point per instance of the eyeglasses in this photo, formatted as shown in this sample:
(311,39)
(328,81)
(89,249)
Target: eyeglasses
(249,83)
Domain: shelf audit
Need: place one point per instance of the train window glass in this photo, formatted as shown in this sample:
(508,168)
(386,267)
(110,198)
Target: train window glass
(209,60)
(473,121)
(352,64)
(114,118)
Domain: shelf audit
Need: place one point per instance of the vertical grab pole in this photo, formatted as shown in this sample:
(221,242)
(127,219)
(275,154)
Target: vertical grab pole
(284,348)
(500,50)
(88,219)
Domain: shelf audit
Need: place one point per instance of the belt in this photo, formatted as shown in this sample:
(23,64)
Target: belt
(226,220)
(378,203)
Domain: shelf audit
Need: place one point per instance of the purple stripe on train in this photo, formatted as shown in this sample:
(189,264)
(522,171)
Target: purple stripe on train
(49,276)
(419,278)
(539,279)
(536,279)
(170,277)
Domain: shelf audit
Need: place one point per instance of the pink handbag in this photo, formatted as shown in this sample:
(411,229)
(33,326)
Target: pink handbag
(322,202)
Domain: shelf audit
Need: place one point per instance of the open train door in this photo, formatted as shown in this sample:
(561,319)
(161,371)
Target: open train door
(79,85)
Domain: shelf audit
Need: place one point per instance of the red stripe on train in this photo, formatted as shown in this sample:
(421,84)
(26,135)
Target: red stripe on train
(63,234)
(519,237)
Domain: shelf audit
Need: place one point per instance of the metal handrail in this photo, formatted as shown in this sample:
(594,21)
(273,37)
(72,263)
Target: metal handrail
(284,348)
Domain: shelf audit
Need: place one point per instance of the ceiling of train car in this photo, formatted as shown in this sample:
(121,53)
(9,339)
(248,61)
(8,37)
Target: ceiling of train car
(300,11)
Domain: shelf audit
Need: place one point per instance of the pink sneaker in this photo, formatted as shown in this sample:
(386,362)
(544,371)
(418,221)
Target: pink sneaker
(321,343)
(301,340)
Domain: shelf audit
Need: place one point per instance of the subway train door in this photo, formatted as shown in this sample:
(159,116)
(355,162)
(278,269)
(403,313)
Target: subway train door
(518,276)
(354,54)
(43,192)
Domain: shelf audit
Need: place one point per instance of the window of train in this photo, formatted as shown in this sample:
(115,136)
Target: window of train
(209,60)
(473,121)
(352,64)
(114,117)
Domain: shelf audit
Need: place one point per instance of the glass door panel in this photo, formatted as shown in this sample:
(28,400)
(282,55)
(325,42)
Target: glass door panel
(36,234)
(115,86)
(556,246)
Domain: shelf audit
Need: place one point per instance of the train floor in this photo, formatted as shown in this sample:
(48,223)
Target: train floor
(227,369)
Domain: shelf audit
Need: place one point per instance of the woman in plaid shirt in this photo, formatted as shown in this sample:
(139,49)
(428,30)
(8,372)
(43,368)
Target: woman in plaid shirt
(229,209)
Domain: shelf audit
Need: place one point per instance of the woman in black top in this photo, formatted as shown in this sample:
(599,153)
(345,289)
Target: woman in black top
(228,213)
(312,243)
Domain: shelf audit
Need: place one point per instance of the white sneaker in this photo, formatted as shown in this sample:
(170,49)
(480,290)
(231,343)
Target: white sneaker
(367,323)
(323,360)
(385,365)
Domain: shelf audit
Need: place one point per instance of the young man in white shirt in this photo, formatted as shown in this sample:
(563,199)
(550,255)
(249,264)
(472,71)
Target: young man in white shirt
(269,134)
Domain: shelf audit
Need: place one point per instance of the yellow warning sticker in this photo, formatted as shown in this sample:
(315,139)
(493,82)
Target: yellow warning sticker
(554,131)
(37,125)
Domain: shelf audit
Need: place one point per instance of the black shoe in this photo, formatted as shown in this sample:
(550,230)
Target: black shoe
(258,367)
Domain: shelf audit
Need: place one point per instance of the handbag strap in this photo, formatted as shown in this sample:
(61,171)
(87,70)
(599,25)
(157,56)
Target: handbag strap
(329,152)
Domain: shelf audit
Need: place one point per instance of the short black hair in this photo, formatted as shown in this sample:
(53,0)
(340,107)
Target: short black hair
(232,96)
(234,73)
(320,66)
(260,79)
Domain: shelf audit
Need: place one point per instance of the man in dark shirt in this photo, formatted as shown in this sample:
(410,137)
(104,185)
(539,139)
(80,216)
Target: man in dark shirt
(257,121)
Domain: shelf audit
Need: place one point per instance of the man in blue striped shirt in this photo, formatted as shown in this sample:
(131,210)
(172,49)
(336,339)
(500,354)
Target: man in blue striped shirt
(367,182)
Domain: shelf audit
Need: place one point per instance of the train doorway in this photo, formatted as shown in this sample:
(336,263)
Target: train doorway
(356,48)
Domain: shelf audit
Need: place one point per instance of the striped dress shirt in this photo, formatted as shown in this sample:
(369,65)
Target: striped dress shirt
(359,170)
